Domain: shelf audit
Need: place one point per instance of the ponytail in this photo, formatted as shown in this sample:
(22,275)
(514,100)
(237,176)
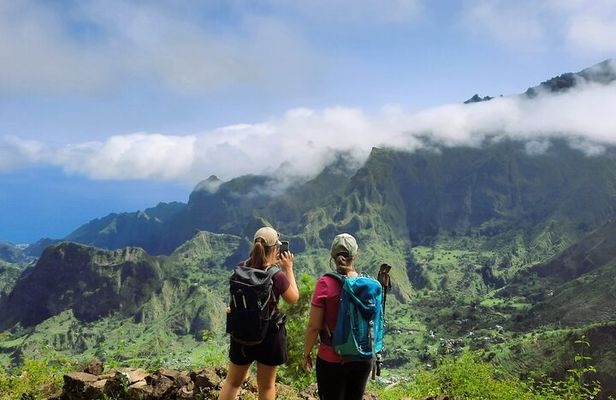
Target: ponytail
(344,263)
(260,254)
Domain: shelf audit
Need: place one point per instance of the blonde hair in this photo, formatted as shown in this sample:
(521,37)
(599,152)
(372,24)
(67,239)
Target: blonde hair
(344,263)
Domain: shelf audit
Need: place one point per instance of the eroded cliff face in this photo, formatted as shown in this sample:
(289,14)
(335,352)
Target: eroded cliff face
(91,282)
(95,283)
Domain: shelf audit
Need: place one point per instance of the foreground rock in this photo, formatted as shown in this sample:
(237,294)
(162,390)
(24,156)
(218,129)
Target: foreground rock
(164,384)
(138,384)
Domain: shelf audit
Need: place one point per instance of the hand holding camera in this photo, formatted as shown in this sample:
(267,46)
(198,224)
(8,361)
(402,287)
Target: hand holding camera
(285,255)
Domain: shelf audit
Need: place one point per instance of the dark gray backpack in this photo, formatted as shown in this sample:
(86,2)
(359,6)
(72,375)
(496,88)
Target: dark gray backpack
(251,292)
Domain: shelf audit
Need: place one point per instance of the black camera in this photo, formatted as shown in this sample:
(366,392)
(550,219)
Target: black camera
(284,246)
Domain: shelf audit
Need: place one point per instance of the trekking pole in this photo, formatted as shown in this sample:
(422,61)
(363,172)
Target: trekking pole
(385,281)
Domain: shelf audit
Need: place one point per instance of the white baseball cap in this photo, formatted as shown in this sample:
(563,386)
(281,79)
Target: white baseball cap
(268,235)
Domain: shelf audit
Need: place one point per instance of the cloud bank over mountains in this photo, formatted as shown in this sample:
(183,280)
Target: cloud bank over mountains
(301,142)
(202,47)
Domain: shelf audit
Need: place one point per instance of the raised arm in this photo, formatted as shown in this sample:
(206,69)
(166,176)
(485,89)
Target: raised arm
(291,295)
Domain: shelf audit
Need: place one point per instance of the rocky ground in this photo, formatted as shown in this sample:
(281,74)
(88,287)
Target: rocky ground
(138,384)
(166,384)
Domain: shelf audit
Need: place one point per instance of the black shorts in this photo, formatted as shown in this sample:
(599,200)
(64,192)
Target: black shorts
(271,351)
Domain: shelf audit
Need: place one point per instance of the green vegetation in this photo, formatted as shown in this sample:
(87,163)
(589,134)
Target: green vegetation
(8,276)
(462,377)
(297,318)
(467,377)
(494,250)
(35,378)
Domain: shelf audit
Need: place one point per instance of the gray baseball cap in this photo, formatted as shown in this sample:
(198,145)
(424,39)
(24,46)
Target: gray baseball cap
(344,243)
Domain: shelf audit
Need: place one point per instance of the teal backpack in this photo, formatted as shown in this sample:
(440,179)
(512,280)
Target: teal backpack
(359,326)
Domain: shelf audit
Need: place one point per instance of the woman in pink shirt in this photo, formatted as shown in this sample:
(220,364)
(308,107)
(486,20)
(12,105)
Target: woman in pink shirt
(336,380)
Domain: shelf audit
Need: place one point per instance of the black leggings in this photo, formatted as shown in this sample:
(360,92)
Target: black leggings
(342,381)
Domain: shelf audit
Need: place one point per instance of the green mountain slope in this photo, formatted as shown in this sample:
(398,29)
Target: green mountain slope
(553,353)
(513,207)
(92,282)
(80,299)
(11,253)
(13,260)
(418,196)
(9,273)
(139,229)
(574,288)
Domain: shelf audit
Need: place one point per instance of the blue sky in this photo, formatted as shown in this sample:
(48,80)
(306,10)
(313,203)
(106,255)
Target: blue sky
(111,106)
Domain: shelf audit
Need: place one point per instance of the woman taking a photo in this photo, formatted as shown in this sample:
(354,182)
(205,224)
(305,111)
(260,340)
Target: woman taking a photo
(271,350)
(336,380)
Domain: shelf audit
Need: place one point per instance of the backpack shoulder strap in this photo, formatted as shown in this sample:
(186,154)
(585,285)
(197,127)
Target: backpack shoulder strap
(273,270)
(339,277)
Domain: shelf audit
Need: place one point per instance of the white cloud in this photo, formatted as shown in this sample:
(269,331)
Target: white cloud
(95,44)
(16,152)
(189,46)
(537,147)
(589,27)
(518,24)
(299,143)
(134,156)
(35,52)
(577,25)
(593,33)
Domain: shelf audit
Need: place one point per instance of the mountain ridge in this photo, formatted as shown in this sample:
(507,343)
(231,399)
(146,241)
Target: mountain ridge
(490,246)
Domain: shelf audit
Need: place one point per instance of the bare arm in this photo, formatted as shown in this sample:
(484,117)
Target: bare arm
(315,323)
(291,295)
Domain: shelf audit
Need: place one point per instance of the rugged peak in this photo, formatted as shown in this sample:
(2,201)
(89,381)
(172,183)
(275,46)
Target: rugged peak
(375,151)
(75,252)
(89,281)
(210,185)
(477,99)
(602,73)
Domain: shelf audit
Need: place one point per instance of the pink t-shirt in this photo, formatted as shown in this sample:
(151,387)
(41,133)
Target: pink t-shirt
(327,296)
